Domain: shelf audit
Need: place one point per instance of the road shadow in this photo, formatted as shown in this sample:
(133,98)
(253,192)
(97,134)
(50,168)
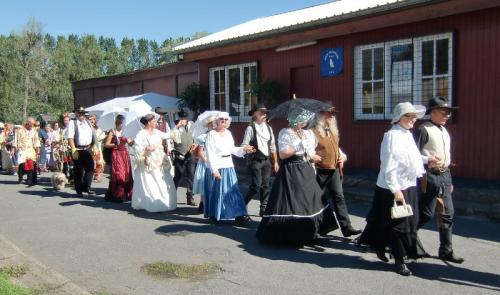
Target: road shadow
(428,269)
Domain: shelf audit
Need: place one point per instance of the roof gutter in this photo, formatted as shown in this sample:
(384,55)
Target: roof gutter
(374,11)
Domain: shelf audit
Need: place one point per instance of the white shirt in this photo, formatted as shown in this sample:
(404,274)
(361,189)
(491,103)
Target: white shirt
(400,160)
(84,132)
(288,139)
(219,149)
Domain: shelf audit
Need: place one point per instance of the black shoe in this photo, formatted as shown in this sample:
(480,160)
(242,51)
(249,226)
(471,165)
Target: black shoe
(451,257)
(381,255)
(19,180)
(190,201)
(242,220)
(402,269)
(200,207)
(350,231)
(91,193)
(261,212)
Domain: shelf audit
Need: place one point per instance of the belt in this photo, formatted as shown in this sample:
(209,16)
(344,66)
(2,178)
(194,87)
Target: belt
(225,156)
(83,147)
(438,170)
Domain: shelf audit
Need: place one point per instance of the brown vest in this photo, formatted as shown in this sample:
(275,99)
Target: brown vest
(328,150)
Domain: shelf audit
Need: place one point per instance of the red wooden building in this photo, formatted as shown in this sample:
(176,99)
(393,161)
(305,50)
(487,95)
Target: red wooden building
(388,51)
(170,79)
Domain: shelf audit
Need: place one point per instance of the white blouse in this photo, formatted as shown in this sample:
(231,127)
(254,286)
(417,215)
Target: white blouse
(400,160)
(219,148)
(288,139)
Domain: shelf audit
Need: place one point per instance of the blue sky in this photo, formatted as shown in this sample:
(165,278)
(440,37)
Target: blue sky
(151,19)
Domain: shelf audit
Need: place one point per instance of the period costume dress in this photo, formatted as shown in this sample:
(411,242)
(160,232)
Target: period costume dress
(225,201)
(154,189)
(26,143)
(295,214)
(97,154)
(401,165)
(121,182)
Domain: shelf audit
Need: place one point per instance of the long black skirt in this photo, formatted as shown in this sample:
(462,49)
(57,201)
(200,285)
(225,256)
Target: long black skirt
(400,235)
(296,212)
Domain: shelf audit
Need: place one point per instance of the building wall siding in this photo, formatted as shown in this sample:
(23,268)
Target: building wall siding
(474,128)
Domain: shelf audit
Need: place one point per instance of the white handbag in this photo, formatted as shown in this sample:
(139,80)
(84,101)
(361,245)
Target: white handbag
(400,211)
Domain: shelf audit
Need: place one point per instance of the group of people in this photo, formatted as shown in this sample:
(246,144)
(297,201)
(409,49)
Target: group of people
(305,200)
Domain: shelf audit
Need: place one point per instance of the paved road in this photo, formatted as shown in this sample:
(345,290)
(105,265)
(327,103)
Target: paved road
(101,247)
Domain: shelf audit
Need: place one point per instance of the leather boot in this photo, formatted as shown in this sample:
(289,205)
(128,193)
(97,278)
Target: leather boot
(446,248)
(190,201)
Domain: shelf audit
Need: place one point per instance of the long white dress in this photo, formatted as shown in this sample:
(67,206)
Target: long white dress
(154,188)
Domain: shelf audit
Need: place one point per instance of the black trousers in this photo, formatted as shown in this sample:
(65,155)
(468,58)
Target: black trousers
(83,171)
(261,178)
(31,176)
(438,196)
(329,181)
(185,168)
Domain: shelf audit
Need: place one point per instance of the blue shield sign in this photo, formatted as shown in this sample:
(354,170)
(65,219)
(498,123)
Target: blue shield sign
(332,61)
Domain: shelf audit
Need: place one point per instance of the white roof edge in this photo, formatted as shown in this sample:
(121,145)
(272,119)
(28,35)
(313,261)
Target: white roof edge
(331,11)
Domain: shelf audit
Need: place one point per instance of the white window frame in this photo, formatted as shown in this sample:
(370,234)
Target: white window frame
(243,116)
(417,73)
(418,61)
(358,76)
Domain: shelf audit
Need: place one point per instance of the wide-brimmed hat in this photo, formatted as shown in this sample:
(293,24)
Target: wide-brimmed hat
(404,108)
(258,107)
(224,115)
(80,110)
(182,115)
(2,125)
(17,126)
(438,102)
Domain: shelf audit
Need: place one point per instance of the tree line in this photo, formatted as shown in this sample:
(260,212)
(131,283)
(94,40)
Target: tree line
(36,69)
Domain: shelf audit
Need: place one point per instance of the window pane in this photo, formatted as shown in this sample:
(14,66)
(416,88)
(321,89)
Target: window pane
(378,59)
(222,81)
(246,78)
(401,73)
(427,86)
(442,56)
(367,98)
(378,97)
(442,87)
(234,91)
(366,64)
(427,58)
(220,102)
(216,82)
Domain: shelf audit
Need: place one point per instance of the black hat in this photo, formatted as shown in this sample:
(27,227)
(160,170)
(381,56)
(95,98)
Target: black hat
(258,107)
(182,115)
(80,110)
(161,111)
(438,102)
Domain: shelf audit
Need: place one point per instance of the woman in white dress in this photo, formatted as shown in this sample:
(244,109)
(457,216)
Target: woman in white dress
(154,189)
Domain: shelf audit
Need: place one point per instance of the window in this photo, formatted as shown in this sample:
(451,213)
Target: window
(230,90)
(414,70)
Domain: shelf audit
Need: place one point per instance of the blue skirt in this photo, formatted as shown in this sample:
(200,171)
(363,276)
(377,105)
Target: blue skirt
(226,201)
(199,178)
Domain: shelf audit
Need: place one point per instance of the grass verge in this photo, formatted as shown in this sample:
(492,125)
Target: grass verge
(9,288)
(170,270)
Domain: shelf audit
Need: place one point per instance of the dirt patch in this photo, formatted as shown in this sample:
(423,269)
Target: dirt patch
(170,270)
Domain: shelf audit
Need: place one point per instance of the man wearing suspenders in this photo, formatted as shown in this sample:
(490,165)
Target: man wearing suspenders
(80,139)
(260,136)
(436,186)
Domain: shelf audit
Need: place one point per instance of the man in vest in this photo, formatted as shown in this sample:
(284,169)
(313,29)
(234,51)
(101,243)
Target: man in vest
(436,186)
(81,138)
(27,145)
(329,169)
(260,136)
(184,164)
